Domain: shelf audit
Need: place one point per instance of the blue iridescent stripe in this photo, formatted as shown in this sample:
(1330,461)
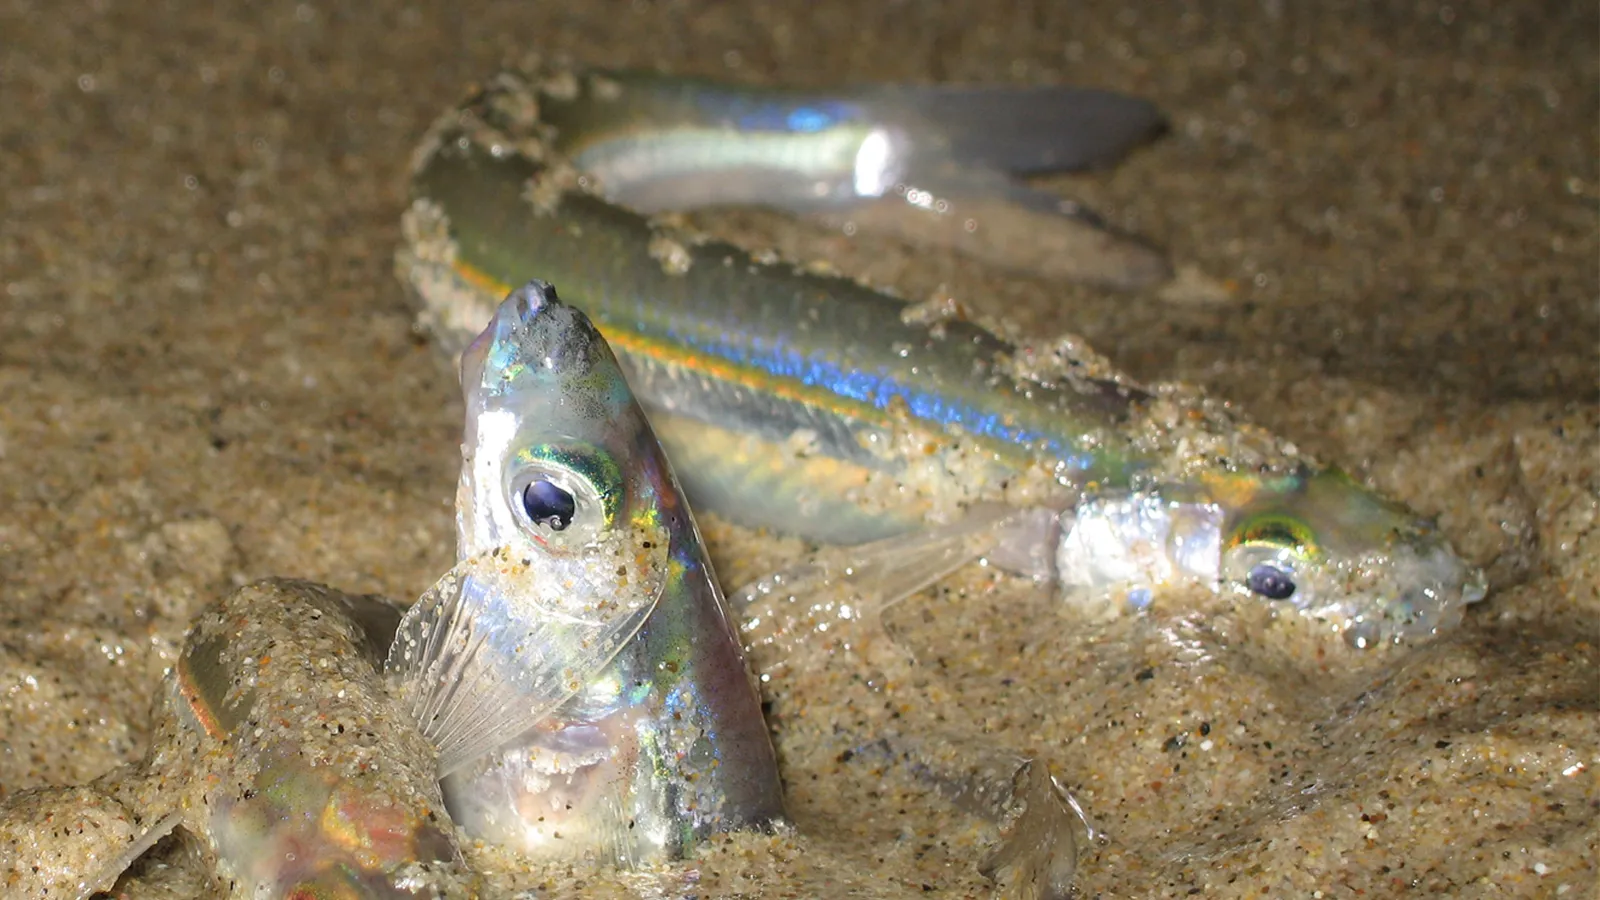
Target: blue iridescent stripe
(748,114)
(880,392)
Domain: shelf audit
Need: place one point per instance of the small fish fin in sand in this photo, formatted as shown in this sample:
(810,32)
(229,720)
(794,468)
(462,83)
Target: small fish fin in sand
(497,645)
(1038,819)
(50,837)
(1038,855)
(124,861)
(986,216)
(797,617)
(1028,130)
(950,180)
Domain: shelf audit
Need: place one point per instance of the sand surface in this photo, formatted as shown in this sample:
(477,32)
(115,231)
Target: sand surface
(209,376)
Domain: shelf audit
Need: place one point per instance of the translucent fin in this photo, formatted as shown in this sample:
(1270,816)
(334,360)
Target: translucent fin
(955,187)
(985,215)
(1039,820)
(834,601)
(1038,856)
(499,644)
(1028,130)
(106,878)
(1025,544)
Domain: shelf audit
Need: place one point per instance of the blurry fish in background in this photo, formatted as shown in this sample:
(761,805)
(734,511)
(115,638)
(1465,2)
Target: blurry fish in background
(583,638)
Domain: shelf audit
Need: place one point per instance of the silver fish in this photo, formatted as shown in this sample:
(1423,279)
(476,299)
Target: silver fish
(936,164)
(818,407)
(623,723)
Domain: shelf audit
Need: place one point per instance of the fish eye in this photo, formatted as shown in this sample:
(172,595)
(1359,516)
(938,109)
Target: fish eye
(548,504)
(1270,581)
(562,496)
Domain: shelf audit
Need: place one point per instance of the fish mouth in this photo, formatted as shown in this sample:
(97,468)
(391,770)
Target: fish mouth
(527,303)
(517,325)
(1429,590)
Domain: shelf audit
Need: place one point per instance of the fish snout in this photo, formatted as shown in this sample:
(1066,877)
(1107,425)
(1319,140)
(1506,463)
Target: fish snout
(1428,591)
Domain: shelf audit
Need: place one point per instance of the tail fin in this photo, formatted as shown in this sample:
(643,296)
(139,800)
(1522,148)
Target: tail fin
(956,180)
(1028,130)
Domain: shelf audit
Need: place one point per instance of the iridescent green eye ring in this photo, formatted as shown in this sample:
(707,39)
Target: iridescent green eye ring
(554,486)
(1274,529)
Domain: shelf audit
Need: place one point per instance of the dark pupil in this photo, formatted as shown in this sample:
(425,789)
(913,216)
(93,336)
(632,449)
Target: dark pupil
(548,505)
(1270,582)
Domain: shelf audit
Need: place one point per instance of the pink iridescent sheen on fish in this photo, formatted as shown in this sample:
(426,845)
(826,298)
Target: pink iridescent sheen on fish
(578,669)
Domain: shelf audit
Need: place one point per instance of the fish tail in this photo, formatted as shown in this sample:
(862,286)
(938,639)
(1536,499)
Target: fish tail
(961,154)
(1028,130)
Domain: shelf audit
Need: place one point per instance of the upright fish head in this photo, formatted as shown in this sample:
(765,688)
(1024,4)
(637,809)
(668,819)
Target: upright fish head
(557,454)
(1338,551)
(666,744)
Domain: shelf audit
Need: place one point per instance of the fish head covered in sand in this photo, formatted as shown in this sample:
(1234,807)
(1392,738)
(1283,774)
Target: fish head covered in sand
(1313,539)
(635,729)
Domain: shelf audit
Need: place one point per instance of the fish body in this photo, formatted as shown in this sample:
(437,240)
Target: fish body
(644,134)
(324,792)
(936,164)
(278,752)
(660,740)
(815,406)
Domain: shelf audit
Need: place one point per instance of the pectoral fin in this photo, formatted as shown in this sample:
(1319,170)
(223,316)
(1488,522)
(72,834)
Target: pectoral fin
(497,645)
(795,617)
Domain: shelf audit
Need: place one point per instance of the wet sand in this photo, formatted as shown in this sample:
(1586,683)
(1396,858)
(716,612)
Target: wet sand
(210,376)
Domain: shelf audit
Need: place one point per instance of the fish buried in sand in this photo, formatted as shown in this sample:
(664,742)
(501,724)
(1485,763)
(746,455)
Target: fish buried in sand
(578,668)
(818,407)
(276,752)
